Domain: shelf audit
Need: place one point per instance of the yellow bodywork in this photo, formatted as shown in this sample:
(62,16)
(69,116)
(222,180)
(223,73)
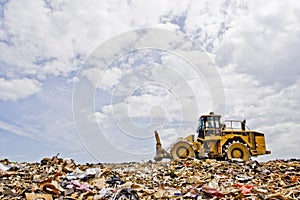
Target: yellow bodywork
(228,143)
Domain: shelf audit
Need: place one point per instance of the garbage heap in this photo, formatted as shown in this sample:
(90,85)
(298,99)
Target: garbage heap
(57,178)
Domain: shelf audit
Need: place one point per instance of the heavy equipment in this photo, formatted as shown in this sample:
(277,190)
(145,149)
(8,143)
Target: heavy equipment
(213,139)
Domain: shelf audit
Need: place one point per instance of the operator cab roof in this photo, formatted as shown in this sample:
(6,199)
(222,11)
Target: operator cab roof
(211,114)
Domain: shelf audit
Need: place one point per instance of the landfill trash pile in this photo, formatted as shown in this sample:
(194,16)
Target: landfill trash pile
(57,178)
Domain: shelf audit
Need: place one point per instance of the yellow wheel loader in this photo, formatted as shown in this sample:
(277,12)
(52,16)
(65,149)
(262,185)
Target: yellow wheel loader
(213,139)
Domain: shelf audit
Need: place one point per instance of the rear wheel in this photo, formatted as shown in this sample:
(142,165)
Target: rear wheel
(238,151)
(182,150)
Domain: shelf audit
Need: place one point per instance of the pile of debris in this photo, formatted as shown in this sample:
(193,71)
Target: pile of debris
(57,178)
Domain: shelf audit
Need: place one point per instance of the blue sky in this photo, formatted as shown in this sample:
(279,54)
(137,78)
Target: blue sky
(46,45)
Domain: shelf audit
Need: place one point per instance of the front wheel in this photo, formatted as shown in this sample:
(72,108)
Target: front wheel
(182,150)
(238,151)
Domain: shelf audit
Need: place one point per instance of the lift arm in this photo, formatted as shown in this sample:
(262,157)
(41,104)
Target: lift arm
(160,152)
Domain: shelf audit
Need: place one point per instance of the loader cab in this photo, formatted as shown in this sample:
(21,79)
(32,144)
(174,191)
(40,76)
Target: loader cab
(209,125)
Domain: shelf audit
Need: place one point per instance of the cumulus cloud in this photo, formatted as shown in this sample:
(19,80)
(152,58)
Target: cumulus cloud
(264,43)
(15,89)
(103,79)
(38,43)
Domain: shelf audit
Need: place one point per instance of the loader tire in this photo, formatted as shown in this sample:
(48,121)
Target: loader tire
(238,151)
(182,150)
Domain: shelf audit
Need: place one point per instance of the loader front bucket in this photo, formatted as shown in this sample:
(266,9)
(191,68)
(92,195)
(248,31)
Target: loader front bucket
(160,152)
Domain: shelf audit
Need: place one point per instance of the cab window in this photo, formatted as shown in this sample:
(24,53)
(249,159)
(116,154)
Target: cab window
(213,125)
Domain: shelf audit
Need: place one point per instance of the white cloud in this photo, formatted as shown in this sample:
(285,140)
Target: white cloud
(146,106)
(35,34)
(264,43)
(15,89)
(64,30)
(172,88)
(100,116)
(104,79)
